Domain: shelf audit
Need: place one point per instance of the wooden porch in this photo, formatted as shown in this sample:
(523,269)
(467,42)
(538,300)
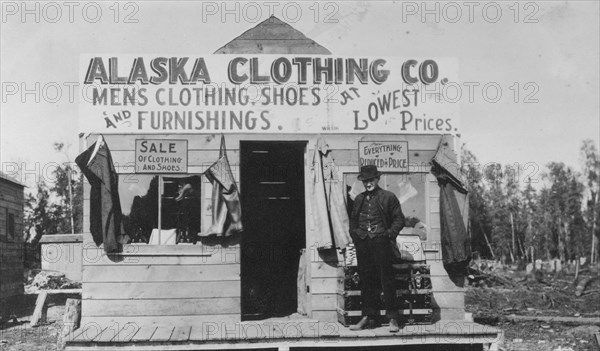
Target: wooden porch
(280,334)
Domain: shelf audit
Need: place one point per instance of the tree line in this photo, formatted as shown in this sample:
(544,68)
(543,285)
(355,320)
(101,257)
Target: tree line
(56,206)
(519,214)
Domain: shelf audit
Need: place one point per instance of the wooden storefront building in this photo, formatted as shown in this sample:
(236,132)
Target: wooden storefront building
(11,241)
(274,285)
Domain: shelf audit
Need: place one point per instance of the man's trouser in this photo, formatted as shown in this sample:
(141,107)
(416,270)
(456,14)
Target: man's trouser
(376,274)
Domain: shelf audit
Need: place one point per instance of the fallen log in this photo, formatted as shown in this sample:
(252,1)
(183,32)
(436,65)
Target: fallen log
(548,319)
(582,284)
(476,275)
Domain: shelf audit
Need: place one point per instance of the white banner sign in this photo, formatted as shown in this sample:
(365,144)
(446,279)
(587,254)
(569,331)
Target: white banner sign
(388,156)
(161,156)
(267,94)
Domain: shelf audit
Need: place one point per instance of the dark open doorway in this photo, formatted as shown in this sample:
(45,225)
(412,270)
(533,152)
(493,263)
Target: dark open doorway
(272,187)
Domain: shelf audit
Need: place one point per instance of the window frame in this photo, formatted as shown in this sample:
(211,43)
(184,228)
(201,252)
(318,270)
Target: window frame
(159,195)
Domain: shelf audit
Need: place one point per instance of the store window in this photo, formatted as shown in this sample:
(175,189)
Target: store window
(161,210)
(409,188)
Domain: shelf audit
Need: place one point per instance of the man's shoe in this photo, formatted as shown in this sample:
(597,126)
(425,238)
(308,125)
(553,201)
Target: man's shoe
(394,328)
(364,323)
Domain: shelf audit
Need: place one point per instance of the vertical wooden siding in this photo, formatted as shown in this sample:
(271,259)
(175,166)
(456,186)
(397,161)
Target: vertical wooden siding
(322,273)
(11,247)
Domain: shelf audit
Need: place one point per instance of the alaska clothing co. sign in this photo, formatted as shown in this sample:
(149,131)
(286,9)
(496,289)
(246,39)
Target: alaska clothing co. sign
(388,156)
(266,94)
(161,156)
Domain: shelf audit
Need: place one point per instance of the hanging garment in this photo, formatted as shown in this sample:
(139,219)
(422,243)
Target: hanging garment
(336,201)
(105,207)
(456,243)
(328,213)
(318,217)
(226,205)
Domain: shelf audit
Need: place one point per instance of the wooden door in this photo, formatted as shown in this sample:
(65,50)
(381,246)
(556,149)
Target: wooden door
(272,188)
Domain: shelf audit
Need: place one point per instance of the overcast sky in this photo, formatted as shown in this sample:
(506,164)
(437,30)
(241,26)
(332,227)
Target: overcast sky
(544,56)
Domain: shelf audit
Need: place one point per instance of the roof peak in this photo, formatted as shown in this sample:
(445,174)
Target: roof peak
(272,36)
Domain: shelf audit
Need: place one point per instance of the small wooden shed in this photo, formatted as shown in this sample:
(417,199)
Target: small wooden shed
(63,253)
(276,284)
(11,238)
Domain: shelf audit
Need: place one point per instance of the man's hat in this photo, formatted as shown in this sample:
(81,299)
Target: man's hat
(368,172)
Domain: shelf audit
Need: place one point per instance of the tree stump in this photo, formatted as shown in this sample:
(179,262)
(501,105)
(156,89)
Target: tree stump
(71,320)
(72,314)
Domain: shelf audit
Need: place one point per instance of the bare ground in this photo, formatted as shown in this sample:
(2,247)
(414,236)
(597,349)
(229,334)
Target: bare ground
(553,297)
(20,336)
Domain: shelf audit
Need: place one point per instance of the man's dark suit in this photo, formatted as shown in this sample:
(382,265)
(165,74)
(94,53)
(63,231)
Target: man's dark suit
(374,247)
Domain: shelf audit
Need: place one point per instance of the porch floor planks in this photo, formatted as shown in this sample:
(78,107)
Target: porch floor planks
(347,333)
(89,333)
(107,335)
(126,333)
(198,333)
(144,333)
(162,334)
(254,331)
(273,332)
(181,334)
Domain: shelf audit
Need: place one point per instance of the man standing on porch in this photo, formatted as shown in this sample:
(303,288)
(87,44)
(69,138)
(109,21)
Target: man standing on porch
(375,222)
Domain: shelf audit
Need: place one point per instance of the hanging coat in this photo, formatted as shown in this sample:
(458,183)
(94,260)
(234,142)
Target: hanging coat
(318,218)
(456,243)
(336,201)
(328,216)
(226,205)
(105,207)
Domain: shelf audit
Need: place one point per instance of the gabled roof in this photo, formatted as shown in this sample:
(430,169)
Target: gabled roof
(6,177)
(272,36)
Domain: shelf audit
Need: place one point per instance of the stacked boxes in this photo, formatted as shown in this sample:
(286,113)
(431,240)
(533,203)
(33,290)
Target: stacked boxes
(413,283)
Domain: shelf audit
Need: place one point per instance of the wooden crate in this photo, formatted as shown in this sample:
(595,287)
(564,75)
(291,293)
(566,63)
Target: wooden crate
(348,278)
(418,301)
(413,277)
(350,300)
(415,316)
(413,283)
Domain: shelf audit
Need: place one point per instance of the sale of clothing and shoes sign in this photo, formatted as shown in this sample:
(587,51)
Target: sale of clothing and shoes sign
(267,94)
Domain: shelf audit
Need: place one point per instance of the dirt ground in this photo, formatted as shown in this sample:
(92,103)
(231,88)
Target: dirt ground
(492,305)
(554,296)
(21,337)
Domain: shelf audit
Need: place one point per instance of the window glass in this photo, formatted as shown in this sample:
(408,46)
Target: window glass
(409,188)
(139,205)
(181,207)
(152,202)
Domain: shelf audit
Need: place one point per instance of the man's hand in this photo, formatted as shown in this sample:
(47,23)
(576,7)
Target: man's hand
(390,234)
